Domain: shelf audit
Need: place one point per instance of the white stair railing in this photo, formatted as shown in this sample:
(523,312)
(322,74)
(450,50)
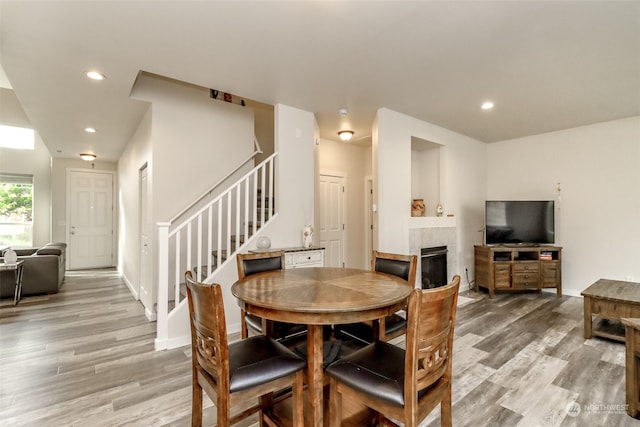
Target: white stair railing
(210,237)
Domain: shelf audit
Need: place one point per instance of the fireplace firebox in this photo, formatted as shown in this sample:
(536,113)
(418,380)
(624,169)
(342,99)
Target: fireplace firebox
(433,267)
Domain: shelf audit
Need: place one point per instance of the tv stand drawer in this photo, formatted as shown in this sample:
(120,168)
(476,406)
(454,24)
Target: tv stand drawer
(526,267)
(526,280)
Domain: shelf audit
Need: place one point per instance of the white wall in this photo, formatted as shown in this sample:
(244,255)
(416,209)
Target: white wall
(598,206)
(352,161)
(135,156)
(36,162)
(295,175)
(463,180)
(196,140)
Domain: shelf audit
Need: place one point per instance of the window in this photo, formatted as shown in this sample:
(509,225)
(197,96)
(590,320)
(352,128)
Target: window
(16,137)
(16,210)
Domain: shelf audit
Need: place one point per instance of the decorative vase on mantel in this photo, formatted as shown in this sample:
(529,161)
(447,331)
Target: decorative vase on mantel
(417,207)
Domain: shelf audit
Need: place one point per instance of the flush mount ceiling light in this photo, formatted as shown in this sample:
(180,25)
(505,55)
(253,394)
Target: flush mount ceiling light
(94,75)
(488,105)
(345,135)
(90,130)
(88,157)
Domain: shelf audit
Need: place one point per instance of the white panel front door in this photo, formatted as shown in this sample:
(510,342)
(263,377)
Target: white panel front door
(331,221)
(90,207)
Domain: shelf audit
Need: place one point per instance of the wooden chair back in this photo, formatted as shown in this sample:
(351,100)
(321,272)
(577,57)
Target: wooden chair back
(257,262)
(403,266)
(213,371)
(209,344)
(403,385)
(429,348)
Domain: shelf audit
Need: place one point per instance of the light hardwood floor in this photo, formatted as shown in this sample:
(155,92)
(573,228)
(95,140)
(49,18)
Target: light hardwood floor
(85,357)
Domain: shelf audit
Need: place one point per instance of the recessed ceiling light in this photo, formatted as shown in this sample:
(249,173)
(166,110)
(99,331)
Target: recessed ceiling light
(95,75)
(487,105)
(90,130)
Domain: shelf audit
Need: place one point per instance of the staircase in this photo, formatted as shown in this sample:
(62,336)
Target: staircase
(205,241)
(238,241)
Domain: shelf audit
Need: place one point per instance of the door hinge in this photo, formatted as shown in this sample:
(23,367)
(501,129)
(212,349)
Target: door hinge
(343,227)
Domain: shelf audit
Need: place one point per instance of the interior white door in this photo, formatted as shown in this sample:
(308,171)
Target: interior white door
(146,291)
(90,207)
(331,222)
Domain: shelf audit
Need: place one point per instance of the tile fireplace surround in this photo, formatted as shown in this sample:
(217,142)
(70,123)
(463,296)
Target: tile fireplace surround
(427,232)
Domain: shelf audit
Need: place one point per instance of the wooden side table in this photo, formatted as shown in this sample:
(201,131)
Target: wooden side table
(611,300)
(17,267)
(632,332)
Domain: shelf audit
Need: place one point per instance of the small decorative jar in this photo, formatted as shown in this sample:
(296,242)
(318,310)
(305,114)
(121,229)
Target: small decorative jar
(263,242)
(417,207)
(307,236)
(439,210)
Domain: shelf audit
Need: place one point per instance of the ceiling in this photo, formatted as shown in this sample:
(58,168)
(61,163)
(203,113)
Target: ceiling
(546,65)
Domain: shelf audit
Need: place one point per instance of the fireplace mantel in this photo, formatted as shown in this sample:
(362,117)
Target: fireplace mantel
(432,221)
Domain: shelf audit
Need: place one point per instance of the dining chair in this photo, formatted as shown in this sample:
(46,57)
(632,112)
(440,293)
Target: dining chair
(403,266)
(259,262)
(403,384)
(235,374)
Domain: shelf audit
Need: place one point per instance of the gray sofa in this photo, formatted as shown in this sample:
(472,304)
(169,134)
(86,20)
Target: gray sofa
(44,270)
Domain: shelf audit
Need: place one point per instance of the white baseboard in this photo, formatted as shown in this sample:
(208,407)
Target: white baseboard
(172,343)
(126,281)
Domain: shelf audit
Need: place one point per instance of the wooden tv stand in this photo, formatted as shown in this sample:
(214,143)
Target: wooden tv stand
(518,268)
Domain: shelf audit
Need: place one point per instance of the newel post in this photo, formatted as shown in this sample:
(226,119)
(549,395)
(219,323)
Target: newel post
(163,286)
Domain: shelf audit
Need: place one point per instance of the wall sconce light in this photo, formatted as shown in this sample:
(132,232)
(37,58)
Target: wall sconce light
(88,157)
(345,135)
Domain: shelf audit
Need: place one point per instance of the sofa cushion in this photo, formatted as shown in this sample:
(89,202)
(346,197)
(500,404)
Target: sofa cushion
(61,244)
(25,252)
(49,250)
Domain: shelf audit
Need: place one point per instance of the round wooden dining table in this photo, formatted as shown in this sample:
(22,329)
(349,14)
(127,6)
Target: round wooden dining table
(316,297)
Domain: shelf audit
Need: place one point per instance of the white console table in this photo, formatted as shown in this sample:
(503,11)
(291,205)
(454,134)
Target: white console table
(299,257)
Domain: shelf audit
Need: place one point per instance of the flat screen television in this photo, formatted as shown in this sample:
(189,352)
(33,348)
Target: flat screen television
(519,222)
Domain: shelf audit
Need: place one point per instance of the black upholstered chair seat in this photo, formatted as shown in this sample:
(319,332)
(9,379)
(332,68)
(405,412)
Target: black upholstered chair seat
(363,371)
(258,360)
(363,332)
(377,370)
